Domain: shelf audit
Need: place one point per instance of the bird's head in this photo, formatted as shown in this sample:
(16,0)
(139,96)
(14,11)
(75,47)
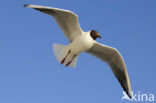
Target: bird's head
(94,34)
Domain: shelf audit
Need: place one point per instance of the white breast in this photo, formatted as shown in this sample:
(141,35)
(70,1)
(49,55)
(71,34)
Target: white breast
(81,44)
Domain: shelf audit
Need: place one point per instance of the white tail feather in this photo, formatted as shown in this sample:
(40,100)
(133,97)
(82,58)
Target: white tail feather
(57,48)
(60,51)
(73,63)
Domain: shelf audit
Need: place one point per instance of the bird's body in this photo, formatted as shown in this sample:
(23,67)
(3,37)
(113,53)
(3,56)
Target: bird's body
(79,45)
(80,41)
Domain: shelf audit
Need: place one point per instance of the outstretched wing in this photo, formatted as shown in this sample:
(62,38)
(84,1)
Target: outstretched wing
(67,20)
(113,58)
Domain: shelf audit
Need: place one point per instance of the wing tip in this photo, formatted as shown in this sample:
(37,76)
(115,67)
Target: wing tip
(129,93)
(26,5)
(130,96)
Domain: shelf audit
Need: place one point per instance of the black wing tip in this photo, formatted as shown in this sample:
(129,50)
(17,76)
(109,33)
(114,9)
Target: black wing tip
(26,5)
(129,96)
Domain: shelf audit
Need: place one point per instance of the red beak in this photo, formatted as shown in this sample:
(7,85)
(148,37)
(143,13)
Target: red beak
(99,36)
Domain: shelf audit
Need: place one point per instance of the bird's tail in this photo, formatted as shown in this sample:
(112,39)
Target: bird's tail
(60,51)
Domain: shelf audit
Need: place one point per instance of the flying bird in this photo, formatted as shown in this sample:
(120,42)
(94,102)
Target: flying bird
(80,41)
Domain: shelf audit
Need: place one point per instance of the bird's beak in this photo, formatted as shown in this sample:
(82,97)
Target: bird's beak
(99,36)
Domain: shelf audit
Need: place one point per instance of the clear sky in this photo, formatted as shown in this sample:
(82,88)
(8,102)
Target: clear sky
(29,72)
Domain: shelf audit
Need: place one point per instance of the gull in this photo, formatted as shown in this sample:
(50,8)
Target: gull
(80,41)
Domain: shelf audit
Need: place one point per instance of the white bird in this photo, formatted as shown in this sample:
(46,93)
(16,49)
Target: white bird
(81,41)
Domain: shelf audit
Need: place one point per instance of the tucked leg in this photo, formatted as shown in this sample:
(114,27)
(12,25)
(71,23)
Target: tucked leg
(70,61)
(63,60)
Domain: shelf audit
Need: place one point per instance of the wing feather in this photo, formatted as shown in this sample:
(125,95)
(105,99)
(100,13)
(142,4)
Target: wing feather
(67,20)
(113,58)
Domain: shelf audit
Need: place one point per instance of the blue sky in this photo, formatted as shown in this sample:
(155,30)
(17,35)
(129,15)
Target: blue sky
(29,72)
